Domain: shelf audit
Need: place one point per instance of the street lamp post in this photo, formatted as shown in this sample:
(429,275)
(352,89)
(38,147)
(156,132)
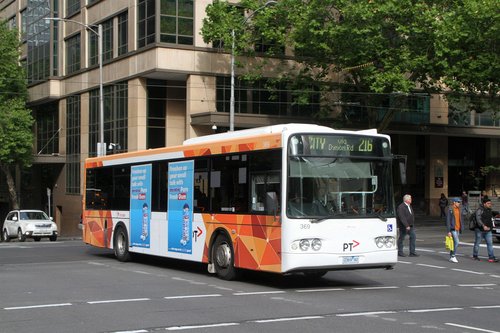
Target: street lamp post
(101,145)
(233,37)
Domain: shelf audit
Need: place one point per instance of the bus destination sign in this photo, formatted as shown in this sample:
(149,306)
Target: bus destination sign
(339,145)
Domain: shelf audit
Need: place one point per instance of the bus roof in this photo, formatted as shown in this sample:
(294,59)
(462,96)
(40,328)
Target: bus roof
(228,142)
(257,131)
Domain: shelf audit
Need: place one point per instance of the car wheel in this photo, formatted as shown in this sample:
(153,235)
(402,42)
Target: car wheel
(223,258)
(53,238)
(37,239)
(6,237)
(120,244)
(20,236)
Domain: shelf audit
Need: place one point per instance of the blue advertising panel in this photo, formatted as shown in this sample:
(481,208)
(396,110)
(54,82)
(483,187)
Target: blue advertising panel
(140,205)
(180,206)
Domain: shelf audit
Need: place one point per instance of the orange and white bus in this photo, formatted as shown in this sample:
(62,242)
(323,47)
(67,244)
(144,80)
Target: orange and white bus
(284,199)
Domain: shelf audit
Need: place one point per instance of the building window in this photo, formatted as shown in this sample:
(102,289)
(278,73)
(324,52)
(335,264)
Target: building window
(115,118)
(47,129)
(123,33)
(24,26)
(176,21)
(73,144)
(157,105)
(146,23)
(38,42)
(258,98)
(73,54)
(72,7)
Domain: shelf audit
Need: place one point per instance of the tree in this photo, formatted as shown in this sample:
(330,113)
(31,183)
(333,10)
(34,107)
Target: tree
(16,137)
(468,42)
(366,51)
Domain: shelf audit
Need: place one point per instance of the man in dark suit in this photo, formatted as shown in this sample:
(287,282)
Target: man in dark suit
(406,220)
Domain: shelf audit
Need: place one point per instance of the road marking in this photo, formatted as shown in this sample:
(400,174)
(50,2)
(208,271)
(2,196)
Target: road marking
(471,328)
(431,266)
(259,293)
(477,285)
(120,300)
(38,306)
(375,288)
(466,271)
(192,296)
(138,331)
(365,313)
(319,290)
(286,319)
(486,307)
(179,328)
(431,286)
(434,310)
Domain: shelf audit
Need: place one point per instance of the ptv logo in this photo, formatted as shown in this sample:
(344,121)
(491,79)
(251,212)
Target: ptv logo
(350,246)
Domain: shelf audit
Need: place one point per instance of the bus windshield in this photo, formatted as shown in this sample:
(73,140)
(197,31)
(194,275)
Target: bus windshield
(321,187)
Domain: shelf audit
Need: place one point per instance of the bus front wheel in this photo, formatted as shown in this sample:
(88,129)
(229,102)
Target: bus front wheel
(120,244)
(223,258)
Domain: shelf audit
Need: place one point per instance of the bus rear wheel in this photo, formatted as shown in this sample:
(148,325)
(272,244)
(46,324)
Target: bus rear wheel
(223,258)
(120,244)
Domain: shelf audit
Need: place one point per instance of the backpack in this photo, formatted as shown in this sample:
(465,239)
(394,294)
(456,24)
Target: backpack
(472,221)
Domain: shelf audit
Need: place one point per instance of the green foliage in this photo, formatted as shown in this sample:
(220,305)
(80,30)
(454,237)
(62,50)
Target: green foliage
(489,169)
(16,138)
(12,76)
(371,46)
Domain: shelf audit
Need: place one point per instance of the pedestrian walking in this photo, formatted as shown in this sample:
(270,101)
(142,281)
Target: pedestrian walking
(484,223)
(406,225)
(454,225)
(443,203)
(465,201)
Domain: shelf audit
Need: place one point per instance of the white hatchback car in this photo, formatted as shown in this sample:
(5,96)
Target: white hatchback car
(29,224)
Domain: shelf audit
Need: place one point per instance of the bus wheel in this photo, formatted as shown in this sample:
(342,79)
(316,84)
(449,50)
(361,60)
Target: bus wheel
(120,244)
(223,258)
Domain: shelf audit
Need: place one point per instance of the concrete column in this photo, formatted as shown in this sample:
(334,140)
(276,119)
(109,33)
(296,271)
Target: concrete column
(200,98)
(137,114)
(437,175)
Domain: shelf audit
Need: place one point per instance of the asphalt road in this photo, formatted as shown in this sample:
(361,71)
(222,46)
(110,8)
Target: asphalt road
(68,286)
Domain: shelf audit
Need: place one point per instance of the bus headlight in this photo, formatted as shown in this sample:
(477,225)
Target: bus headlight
(316,244)
(385,241)
(304,244)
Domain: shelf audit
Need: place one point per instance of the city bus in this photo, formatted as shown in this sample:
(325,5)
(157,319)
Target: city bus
(293,198)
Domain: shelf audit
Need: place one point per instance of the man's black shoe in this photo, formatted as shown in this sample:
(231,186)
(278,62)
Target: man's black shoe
(401,255)
(476,258)
(414,255)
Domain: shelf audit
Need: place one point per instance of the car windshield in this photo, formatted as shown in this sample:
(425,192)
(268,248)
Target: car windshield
(33,216)
(339,187)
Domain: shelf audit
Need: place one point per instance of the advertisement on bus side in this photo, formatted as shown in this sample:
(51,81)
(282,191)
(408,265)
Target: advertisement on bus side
(140,205)
(180,206)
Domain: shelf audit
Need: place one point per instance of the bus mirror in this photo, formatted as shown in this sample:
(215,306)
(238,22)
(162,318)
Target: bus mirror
(401,167)
(272,203)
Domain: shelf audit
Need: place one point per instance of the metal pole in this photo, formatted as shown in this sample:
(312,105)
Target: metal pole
(101,145)
(233,37)
(231,101)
